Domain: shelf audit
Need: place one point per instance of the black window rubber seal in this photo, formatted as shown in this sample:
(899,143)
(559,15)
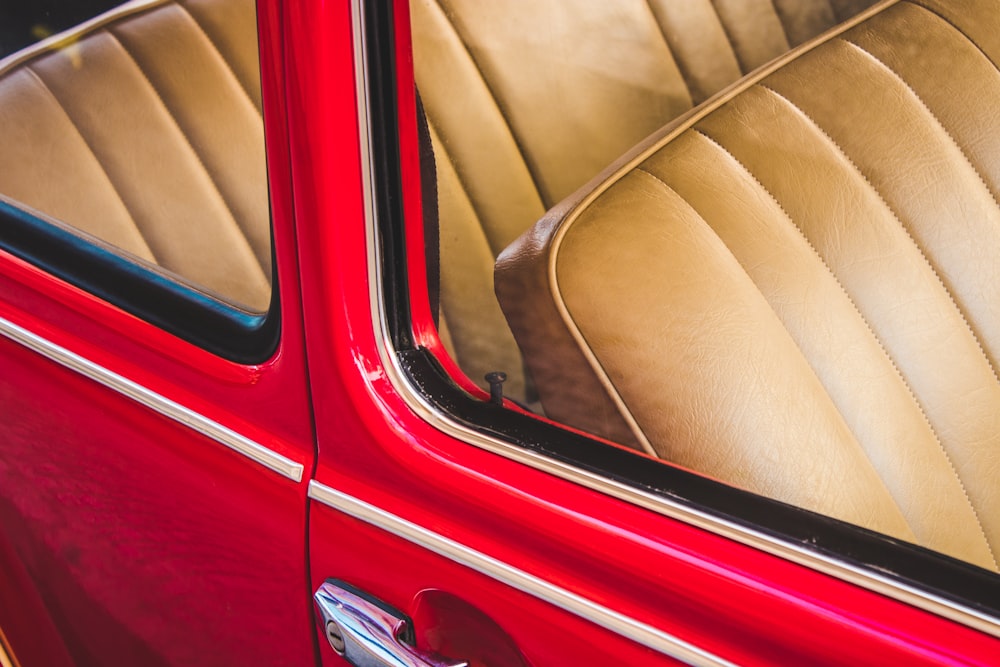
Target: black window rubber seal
(909,565)
(188,313)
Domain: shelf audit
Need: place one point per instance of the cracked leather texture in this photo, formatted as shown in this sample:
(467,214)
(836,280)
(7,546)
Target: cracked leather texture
(796,289)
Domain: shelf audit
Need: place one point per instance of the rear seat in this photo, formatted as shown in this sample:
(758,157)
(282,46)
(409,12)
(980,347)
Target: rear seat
(526,104)
(796,288)
(143,128)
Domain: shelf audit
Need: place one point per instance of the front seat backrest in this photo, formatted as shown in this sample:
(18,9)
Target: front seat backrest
(527,101)
(796,289)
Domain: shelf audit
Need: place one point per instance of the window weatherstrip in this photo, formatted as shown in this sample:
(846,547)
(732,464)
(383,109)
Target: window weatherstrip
(241,444)
(853,574)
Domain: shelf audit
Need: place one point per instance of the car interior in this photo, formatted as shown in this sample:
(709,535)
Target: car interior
(753,239)
(526,102)
(149,119)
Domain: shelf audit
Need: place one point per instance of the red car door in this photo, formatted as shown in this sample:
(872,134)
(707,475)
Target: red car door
(432,539)
(152,491)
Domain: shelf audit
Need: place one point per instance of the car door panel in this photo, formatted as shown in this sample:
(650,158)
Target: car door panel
(153,493)
(406,500)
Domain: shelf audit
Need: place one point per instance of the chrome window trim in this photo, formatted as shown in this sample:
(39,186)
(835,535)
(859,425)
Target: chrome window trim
(641,633)
(160,404)
(856,575)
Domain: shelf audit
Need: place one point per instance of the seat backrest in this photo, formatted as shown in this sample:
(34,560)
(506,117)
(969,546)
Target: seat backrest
(527,101)
(796,289)
(143,128)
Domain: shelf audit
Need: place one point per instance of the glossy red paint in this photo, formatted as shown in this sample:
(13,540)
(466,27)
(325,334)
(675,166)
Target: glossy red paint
(732,600)
(128,539)
(146,542)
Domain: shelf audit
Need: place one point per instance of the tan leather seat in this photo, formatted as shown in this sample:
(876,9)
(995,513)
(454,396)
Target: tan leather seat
(527,101)
(796,289)
(143,128)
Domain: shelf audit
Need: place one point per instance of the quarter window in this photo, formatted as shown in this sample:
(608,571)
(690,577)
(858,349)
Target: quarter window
(136,135)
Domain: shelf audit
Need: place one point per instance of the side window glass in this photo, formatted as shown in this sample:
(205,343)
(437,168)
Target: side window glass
(138,127)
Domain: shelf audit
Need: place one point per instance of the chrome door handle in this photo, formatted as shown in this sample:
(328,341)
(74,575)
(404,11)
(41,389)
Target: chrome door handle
(369,633)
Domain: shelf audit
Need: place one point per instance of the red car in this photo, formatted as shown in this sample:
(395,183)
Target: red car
(259,406)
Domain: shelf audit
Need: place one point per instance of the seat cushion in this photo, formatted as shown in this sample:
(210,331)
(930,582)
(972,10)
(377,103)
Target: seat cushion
(796,289)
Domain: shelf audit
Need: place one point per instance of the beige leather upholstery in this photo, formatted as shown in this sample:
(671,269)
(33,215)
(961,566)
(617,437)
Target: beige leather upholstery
(527,101)
(143,128)
(796,289)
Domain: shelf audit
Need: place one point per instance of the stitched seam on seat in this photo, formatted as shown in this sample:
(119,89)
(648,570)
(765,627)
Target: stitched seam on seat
(194,152)
(961,35)
(899,220)
(222,56)
(930,10)
(864,320)
(97,159)
(875,190)
(951,294)
(532,171)
(825,266)
(925,107)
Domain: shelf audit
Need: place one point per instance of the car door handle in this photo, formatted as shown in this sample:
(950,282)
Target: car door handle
(369,633)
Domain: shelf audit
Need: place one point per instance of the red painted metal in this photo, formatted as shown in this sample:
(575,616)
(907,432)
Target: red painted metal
(145,542)
(732,600)
(129,539)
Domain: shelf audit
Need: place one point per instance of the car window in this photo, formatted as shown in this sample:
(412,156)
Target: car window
(137,128)
(515,113)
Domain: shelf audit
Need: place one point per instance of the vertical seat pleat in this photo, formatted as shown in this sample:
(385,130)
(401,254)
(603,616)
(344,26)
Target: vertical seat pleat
(819,314)
(212,110)
(62,166)
(950,88)
(232,28)
(487,157)
(707,62)
(477,329)
(672,268)
(942,204)
(153,168)
(576,87)
(754,30)
(890,263)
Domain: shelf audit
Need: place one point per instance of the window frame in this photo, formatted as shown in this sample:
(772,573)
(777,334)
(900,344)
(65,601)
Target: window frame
(149,293)
(906,572)
(153,294)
